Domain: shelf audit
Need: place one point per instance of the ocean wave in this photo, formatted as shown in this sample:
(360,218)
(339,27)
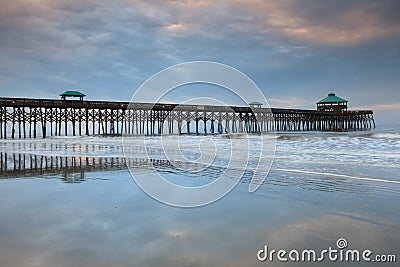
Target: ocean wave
(290,137)
(337,136)
(386,135)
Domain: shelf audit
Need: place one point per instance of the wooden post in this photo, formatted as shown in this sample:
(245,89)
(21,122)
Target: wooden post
(66,121)
(87,121)
(19,122)
(136,121)
(117,120)
(43,121)
(4,122)
(147,122)
(73,121)
(128,129)
(188,122)
(232,125)
(106,115)
(93,122)
(123,122)
(226,122)
(100,123)
(179,121)
(13,124)
(197,124)
(58,121)
(51,121)
(205,123)
(153,120)
(80,121)
(30,122)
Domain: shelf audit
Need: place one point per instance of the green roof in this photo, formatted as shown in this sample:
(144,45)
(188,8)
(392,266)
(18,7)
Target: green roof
(255,103)
(73,94)
(332,98)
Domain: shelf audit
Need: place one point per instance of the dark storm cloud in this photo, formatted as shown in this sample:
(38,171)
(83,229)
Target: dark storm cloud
(296,51)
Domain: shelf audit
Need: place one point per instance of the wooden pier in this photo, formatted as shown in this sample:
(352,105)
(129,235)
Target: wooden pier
(33,118)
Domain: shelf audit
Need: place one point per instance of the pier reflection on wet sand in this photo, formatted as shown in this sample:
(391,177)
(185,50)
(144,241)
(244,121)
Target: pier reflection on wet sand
(73,169)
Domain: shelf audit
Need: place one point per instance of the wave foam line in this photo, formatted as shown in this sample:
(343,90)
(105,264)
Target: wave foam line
(341,175)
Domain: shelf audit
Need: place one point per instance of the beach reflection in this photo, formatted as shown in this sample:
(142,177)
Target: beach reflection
(112,223)
(73,170)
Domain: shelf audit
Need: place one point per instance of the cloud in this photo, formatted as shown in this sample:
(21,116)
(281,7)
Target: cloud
(356,229)
(190,3)
(291,49)
(290,102)
(176,27)
(391,106)
(387,106)
(340,23)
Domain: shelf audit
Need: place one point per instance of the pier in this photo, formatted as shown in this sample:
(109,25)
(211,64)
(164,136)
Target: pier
(34,118)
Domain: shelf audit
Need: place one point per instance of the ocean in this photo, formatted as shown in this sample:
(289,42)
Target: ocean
(72,201)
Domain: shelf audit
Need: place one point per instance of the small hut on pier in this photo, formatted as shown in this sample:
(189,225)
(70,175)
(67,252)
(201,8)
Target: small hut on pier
(255,104)
(332,103)
(72,94)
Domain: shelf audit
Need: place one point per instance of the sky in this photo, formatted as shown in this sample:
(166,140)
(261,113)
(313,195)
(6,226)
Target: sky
(295,51)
